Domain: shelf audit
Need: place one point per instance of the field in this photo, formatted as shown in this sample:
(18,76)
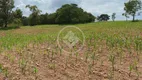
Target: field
(111,51)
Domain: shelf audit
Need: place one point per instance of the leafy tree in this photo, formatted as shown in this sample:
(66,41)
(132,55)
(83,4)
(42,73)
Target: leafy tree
(113,16)
(25,21)
(52,18)
(126,15)
(17,17)
(103,17)
(18,13)
(6,7)
(71,13)
(132,7)
(17,21)
(44,18)
(34,17)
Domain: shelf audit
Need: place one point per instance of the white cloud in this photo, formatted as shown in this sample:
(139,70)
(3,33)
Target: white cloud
(96,7)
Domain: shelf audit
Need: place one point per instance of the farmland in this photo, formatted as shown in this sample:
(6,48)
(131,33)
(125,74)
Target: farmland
(112,51)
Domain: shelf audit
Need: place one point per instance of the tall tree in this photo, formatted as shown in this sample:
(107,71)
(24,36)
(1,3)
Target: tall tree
(71,14)
(113,16)
(6,7)
(18,13)
(17,17)
(52,18)
(44,18)
(34,17)
(132,7)
(25,21)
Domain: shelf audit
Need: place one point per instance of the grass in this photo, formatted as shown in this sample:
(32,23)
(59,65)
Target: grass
(38,43)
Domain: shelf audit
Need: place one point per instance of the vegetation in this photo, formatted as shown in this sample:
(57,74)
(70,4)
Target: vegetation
(69,14)
(125,15)
(109,51)
(103,17)
(132,7)
(113,16)
(6,7)
(34,17)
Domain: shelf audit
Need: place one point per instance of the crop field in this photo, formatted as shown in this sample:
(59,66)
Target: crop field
(110,51)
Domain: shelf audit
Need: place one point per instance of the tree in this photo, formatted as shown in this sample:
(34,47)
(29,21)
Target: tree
(6,7)
(18,13)
(132,7)
(17,17)
(25,21)
(17,21)
(34,17)
(71,14)
(126,15)
(44,18)
(52,18)
(113,16)
(103,17)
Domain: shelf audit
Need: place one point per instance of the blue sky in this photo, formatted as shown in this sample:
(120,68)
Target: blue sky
(96,7)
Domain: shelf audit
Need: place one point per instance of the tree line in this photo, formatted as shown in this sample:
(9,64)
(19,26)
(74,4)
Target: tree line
(67,14)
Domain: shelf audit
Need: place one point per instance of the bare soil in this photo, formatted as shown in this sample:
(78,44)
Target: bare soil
(53,65)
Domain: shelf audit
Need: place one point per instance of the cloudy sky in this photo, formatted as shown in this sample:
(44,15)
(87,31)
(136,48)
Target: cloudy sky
(96,7)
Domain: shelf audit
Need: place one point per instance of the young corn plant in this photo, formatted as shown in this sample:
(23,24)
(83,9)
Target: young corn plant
(112,60)
(89,46)
(130,69)
(120,55)
(23,65)
(76,54)
(94,57)
(6,73)
(35,73)
(135,66)
(86,56)
(60,51)
(138,47)
(48,52)
(1,68)
(90,68)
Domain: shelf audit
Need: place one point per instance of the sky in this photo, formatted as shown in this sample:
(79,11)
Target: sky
(96,7)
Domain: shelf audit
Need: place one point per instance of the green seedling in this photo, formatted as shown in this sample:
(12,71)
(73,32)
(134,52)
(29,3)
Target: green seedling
(112,60)
(76,55)
(1,68)
(136,69)
(35,72)
(130,69)
(23,65)
(5,71)
(94,57)
(90,68)
(86,57)
(60,51)
(120,55)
